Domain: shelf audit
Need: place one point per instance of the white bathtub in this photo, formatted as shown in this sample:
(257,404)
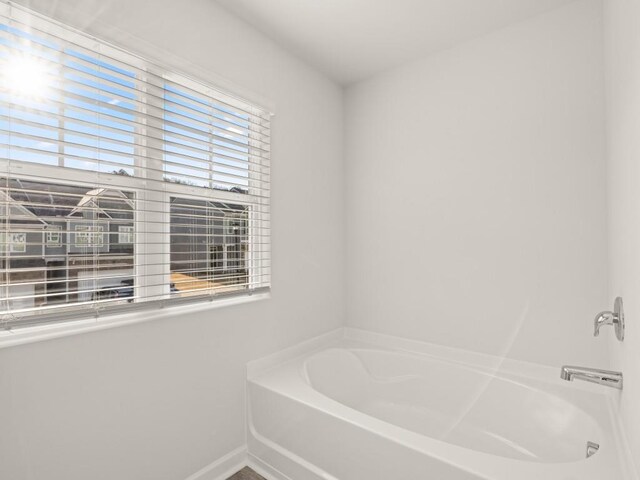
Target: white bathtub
(348,409)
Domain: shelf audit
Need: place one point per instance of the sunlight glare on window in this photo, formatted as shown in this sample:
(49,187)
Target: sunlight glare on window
(25,75)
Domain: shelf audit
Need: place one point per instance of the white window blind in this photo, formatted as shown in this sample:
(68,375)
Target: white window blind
(122,184)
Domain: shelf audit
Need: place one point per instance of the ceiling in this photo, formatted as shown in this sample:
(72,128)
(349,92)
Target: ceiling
(350,40)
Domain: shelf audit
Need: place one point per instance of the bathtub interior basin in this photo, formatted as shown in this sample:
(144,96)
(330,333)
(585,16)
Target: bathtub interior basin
(459,405)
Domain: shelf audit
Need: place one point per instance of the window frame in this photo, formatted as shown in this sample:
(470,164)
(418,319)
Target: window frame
(143,156)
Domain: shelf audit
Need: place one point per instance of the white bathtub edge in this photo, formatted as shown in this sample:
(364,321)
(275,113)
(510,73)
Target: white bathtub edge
(495,363)
(626,455)
(464,356)
(284,457)
(261,365)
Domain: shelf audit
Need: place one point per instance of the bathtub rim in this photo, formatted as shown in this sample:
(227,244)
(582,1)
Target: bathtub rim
(476,360)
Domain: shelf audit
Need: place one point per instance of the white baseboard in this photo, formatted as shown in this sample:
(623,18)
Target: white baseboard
(264,469)
(235,461)
(224,467)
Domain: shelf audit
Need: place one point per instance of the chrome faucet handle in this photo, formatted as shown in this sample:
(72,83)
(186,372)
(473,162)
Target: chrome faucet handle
(615,318)
(603,318)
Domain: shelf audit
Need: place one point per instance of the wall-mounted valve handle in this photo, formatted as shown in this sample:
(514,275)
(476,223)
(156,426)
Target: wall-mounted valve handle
(615,318)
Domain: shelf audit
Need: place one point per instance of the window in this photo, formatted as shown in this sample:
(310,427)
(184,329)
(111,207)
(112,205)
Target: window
(125,234)
(122,184)
(53,236)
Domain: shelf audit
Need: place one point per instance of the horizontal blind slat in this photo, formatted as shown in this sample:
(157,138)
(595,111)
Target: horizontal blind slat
(50,142)
(110,60)
(153,133)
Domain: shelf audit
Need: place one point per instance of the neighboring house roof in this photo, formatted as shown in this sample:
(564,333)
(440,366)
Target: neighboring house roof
(39,201)
(50,201)
(16,209)
(231,209)
(109,199)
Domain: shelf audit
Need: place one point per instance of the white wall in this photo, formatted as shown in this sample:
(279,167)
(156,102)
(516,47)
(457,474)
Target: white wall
(476,201)
(622,42)
(160,400)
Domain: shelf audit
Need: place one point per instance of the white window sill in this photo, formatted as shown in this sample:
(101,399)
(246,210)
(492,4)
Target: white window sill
(21,336)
